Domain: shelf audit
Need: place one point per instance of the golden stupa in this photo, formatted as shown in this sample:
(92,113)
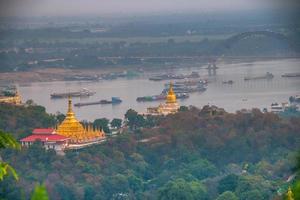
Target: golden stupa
(171,97)
(169,107)
(77,133)
(16,99)
(290,194)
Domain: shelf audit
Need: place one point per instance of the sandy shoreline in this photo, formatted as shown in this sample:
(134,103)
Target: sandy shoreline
(59,74)
(51,74)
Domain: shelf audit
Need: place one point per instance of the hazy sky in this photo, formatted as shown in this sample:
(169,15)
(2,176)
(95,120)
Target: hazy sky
(103,7)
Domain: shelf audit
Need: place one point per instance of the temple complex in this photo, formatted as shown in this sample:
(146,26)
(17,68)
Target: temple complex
(16,99)
(78,134)
(70,134)
(169,107)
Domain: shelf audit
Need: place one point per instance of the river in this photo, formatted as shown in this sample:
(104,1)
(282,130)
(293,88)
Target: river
(242,94)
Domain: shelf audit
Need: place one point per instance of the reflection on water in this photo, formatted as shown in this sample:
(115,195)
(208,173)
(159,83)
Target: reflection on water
(241,94)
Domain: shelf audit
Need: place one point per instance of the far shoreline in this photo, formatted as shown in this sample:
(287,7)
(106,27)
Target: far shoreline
(59,74)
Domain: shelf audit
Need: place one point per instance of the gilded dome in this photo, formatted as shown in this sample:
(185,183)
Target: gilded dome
(171,97)
(71,127)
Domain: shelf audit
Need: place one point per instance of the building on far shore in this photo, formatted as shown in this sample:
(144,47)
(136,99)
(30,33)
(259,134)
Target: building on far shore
(70,134)
(16,99)
(171,105)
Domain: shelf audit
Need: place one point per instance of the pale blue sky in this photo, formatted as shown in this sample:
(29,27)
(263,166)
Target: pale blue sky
(102,7)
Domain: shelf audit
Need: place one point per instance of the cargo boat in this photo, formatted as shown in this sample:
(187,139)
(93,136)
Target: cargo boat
(230,82)
(160,97)
(114,100)
(268,76)
(173,76)
(294,99)
(192,82)
(82,93)
(290,75)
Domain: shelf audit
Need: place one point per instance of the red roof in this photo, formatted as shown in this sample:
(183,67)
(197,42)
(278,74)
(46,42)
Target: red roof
(43,131)
(44,138)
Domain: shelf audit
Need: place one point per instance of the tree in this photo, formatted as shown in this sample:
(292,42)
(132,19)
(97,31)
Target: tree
(7,141)
(183,108)
(179,189)
(252,194)
(228,183)
(134,120)
(228,195)
(40,193)
(103,123)
(116,123)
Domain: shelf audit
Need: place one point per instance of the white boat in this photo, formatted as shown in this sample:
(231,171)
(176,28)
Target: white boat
(277,108)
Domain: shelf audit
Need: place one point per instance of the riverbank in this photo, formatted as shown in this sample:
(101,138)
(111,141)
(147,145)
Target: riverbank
(60,74)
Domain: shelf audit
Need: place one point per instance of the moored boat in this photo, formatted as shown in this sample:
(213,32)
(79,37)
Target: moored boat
(114,100)
(82,93)
(161,97)
(268,76)
(290,75)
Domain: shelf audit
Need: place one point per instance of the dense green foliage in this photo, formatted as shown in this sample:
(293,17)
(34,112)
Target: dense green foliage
(7,141)
(189,155)
(21,120)
(40,193)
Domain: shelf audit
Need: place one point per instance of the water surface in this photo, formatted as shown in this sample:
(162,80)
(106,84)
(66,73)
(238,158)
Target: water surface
(242,94)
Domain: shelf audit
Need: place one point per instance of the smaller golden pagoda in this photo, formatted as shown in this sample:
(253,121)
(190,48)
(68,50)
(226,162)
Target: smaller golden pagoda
(74,130)
(169,107)
(16,99)
(289,194)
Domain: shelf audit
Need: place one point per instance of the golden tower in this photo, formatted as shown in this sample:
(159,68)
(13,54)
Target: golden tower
(171,97)
(73,129)
(290,194)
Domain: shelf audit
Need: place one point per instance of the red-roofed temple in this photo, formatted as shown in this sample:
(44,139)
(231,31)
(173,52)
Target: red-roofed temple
(49,138)
(70,134)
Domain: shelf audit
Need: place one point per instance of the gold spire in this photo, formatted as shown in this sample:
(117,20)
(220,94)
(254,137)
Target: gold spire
(73,129)
(171,97)
(290,194)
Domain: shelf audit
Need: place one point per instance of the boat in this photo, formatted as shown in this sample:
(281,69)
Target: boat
(290,75)
(181,88)
(277,108)
(173,76)
(189,82)
(161,97)
(230,82)
(268,76)
(82,93)
(193,75)
(294,99)
(114,100)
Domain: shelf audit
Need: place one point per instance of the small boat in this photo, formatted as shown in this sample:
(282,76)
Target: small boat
(268,76)
(230,82)
(277,108)
(294,99)
(160,97)
(193,75)
(114,100)
(82,93)
(290,75)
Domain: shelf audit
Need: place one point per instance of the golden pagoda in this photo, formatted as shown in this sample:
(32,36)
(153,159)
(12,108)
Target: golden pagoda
(169,107)
(16,99)
(289,194)
(74,130)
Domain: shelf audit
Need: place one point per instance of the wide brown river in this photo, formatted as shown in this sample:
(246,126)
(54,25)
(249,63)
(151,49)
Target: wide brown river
(242,94)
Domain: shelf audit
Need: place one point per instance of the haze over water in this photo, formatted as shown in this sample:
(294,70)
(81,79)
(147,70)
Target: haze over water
(242,94)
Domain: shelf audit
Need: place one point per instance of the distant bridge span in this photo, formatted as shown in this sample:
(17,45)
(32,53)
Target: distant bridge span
(228,43)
